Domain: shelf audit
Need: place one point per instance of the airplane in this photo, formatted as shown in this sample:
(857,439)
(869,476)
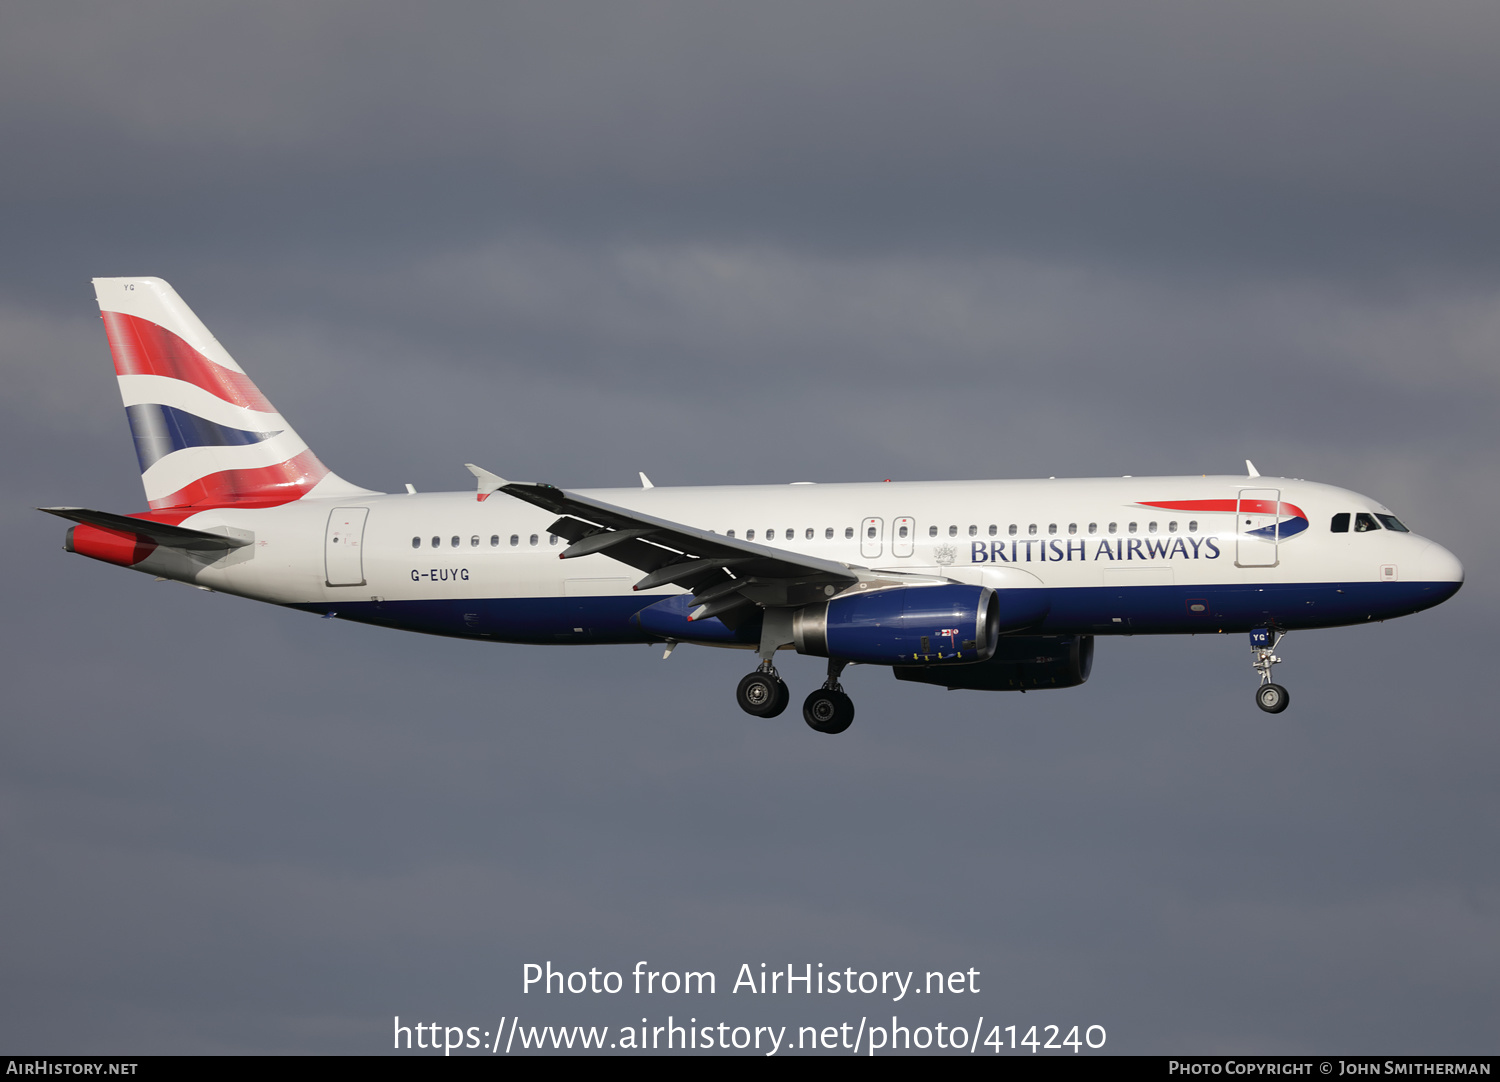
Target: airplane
(977,585)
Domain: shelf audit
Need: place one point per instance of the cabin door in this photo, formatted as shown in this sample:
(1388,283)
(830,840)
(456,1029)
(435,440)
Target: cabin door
(1257,527)
(343,546)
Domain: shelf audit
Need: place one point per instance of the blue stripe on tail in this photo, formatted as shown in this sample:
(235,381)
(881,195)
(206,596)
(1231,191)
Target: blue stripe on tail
(160,430)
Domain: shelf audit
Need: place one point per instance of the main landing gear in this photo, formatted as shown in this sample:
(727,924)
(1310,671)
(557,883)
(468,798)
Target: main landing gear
(827,710)
(763,693)
(1272,698)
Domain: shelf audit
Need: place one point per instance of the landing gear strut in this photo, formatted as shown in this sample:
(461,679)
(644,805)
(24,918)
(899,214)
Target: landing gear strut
(1272,698)
(763,693)
(829,710)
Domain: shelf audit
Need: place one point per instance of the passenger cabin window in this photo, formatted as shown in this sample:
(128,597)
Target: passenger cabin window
(474,542)
(494,540)
(994,529)
(902,532)
(454,541)
(1114,527)
(870,533)
(828,534)
(1150,527)
(1052,527)
(728,533)
(932,531)
(533,539)
(1340,523)
(952,531)
(436,541)
(791,534)
(1031,529)
(552,539)
(1013,529)
(973,531)
(1193,526)
(1391,522)
(416,542)
(848,533)
(1363,523)
(1072,527)
(1171,527)
(1132,527)
(515,539)
(810,532)
(1093,527)
(749,535)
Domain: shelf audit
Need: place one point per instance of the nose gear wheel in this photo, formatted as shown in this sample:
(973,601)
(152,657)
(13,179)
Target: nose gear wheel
(1272,698)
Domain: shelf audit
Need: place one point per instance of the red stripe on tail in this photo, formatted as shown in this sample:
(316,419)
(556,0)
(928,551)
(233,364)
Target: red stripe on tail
(266,486)
(141,348)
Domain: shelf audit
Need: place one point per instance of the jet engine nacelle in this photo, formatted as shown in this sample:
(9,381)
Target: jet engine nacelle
(929,625)
(1017,664)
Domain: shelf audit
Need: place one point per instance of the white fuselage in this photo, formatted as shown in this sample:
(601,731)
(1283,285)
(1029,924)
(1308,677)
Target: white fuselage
(1111,562)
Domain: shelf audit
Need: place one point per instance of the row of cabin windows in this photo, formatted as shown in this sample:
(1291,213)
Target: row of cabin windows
(903,531)
(1363,523)
(791,535)
(1031,529)
(932,531)
(515,539)
(457,542)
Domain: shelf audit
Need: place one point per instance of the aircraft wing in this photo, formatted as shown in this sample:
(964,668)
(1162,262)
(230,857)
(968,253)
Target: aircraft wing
(724,573)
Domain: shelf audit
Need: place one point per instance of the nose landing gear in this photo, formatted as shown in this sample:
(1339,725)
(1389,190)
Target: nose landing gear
(1272,698)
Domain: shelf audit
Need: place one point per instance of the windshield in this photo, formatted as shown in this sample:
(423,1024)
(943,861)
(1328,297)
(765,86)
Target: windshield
(1391,522)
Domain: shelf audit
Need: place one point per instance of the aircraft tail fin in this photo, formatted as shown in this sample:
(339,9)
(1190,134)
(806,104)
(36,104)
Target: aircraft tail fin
(204,434)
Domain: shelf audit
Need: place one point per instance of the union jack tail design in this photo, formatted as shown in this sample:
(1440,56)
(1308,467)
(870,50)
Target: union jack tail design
(205,435)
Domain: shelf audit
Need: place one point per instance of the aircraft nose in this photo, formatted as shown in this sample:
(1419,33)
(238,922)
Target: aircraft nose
(1440,565)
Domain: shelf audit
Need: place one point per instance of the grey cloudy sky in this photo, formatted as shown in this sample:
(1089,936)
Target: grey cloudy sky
(732,244)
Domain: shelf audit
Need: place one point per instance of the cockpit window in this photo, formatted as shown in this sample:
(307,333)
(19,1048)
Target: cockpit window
(1391,522)
(1363,523)
(1340,523)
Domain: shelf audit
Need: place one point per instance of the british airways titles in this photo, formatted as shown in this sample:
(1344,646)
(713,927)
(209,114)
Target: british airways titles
(1059,550)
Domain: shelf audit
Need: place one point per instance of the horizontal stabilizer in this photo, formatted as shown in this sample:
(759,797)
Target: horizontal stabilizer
(176,537)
